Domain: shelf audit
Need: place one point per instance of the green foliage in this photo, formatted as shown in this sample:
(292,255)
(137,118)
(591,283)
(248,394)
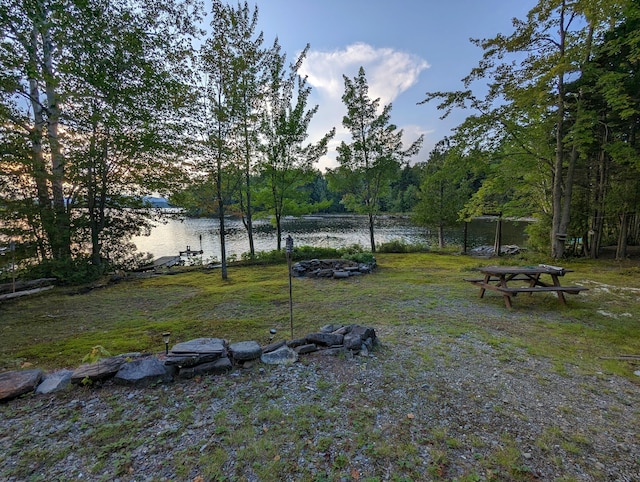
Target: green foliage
(88,132)
(372,160)
(361,257)
(286,164)
(67,272)
(97,353)
(399,246)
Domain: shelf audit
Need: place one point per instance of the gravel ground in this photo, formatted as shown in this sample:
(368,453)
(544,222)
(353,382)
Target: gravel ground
(422,406)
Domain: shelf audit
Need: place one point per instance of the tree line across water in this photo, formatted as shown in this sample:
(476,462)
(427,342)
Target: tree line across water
(104,103)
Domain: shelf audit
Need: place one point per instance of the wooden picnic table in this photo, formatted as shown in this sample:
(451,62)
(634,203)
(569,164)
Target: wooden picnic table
(541,278)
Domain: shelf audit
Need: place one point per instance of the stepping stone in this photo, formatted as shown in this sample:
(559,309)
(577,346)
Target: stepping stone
(16,383)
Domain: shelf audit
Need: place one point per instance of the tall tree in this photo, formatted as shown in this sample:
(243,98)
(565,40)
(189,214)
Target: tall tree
(217,63)
(91,89)
(248,65)
(447,184)
(287,162)
(371,161)
(529,71)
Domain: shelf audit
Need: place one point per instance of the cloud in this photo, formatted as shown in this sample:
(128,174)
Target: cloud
(389,73)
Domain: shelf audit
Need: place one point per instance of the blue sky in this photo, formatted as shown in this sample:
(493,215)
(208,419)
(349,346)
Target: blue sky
(407,48)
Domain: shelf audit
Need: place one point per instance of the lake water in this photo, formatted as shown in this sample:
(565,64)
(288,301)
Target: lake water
(333,231)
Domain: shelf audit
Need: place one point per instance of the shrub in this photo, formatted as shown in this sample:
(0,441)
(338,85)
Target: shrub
(67,272)
(367,258)
(399,246)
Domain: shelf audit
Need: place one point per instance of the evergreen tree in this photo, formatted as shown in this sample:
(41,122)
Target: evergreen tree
(371,161)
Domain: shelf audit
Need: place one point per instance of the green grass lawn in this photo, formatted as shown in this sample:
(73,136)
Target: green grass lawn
(59,327)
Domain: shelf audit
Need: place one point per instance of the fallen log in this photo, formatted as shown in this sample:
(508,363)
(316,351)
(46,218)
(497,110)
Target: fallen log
(17,294)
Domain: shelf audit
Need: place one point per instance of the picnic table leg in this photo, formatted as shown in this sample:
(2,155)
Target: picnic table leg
(534,282)
(556,282)
(506,296)
(487,277)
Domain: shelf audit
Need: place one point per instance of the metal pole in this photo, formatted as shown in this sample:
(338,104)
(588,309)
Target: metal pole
(12,247)
(289,253)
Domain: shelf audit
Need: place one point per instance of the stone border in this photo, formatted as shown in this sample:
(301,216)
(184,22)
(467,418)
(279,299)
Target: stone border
(202,356)
(331,268)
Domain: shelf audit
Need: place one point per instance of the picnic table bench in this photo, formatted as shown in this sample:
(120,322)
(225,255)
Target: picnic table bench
(497,278)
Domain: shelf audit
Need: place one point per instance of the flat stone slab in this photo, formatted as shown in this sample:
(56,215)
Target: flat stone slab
(325,339)
(245,350)
(54,382)
(281,356)
(101,370)
(200,346)
(187,360)
(218,367)
(142,372)
(16,383)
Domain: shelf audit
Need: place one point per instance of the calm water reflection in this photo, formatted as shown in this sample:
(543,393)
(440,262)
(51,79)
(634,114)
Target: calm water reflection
(334,231)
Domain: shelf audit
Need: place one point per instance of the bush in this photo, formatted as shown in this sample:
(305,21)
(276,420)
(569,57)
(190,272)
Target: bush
(363,257)
(399,246)
(67,272)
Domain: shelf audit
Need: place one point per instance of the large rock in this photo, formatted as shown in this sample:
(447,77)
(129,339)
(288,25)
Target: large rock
(142,372)
(245,350)
(186,360)
(101,370)
(359,335)
(16,383)
(325,339)
(218,367)
(54,382)
(282,356)
(200,346)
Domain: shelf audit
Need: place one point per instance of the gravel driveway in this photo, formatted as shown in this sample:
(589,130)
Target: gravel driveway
(425,405)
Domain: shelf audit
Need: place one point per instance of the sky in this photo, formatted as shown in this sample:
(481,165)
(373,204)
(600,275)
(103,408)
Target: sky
(407,48)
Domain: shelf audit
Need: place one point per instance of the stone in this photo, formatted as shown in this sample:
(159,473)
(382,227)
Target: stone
(343,330)
(185,360)
(353,341)
(200,346)
(359,335)
(142,372)
(363,331)
(304,349)
(341,274)
(281,356)
(334,351)
(245,350)
(54,382)
(100,370)
(16,383)
(296,342)
(325,339)
(273,346)
(217,367)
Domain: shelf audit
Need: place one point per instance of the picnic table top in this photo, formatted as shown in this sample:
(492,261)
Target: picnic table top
(529,270)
